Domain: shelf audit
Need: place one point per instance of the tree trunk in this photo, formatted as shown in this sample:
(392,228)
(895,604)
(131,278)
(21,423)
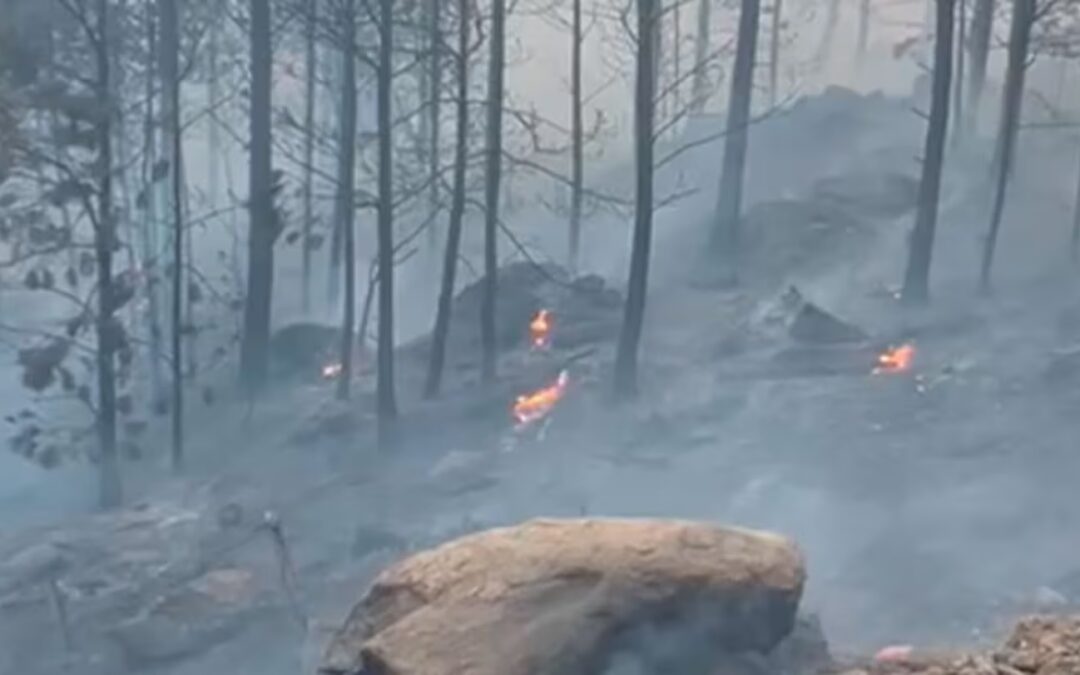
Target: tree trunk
(344,209)
(254,349)
(958,81)
(982,27)
(149,243)
(170,75)
(441,331)
(310,66)
(700,89)
(863,39)
(577,163)
(107,328)
(729,206)
(1019,37)
(434,94)
(626,356)
(492,186)
(774,51)
(386,407)
(917,276)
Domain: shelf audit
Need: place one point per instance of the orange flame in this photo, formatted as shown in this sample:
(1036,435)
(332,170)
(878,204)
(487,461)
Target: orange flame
(540,330)
(539,404)
(332,370)
(895,359)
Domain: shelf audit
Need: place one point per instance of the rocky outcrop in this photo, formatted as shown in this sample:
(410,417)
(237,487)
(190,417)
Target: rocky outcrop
(575,597)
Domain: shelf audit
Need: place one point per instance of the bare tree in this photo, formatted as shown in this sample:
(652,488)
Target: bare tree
(170,75)
(434,69)
(492,186)
(916,279)
(700,88)
(1023,16)
(958,81)
(626,357)
(863,38)
(439,336)
(726,240)
(344,209)
(311,17)
(386,400)
(263,230)
(577,162)
(774,49)
(982,27)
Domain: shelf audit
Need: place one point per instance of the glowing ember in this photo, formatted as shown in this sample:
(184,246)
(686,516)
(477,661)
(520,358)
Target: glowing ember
(895,359)
(539,404)
(332,370)
(540,330)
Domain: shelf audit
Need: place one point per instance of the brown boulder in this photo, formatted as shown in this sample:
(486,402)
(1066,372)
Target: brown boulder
(573,597)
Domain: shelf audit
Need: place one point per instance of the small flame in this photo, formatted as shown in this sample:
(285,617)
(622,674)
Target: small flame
(539,404)
(895,359)
(332,370)
(540,330)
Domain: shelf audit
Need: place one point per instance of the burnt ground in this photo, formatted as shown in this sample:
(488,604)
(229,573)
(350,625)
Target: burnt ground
(933,505)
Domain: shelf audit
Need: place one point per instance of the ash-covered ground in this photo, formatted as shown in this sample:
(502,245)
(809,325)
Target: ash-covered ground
(933,505)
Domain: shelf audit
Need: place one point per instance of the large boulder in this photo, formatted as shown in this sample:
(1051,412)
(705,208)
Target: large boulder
(575,597)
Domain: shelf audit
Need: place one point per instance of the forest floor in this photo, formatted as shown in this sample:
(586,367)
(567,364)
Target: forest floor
(934,505)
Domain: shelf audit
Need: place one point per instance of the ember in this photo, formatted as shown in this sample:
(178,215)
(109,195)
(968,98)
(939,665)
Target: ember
(895,359)
(540,330)
(539,404)
(332,370)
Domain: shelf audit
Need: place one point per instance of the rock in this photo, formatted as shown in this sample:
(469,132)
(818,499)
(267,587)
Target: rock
(459,472)
(813,325)
(304,347)
(872,194)
(571,597)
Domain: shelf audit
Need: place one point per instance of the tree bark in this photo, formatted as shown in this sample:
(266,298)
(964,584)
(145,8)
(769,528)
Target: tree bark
(832,19)
(254,348)
(958,81)
(1074,243)
(310,66)
(435,79)
(386,406)
(982,27)
(700,88)
(437,361)
(774,51)
(727,237)
(1019,38)
(110,489)
(492,187)
(917,276)
(626,356)
(577,163)
(170,75)
(344,210)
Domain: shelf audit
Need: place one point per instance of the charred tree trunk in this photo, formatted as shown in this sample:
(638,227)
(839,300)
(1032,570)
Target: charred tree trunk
(958,81)
(917,276)
(310,67)
(262,228)
(774,50)
(729,206)
(863,39)
(1019,39)
(344,210)
(626,356)
(1074,244)
(107,328)
(386,405)
(439,335)
(982,27)
(170,74)
(492,186)
(149,242)
(700,88)
(577,163)
(434,94)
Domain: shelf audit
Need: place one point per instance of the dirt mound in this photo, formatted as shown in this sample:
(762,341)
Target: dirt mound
(575,597)
(1037,646)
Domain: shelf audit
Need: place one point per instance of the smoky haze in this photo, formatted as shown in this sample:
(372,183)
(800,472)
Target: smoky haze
(932,507)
